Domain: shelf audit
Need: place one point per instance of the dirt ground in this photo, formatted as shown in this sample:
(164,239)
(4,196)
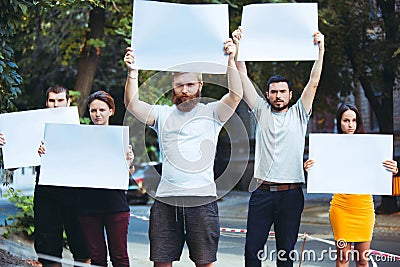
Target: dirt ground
(7,260)
(11,247)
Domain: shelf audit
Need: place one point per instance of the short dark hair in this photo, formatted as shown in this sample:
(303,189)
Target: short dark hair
(57,89)
(102,96)
(342,109)
(278,79)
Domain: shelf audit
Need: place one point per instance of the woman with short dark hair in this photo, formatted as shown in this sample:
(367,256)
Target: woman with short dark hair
(105,210)
(352,216)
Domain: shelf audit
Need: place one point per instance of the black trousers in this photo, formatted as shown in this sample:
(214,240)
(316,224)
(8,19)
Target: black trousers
(283,210)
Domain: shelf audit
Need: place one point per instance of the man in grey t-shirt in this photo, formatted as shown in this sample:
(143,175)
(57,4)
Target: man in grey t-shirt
(278,170)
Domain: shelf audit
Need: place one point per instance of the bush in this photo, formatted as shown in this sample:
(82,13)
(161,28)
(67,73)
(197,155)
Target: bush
(21,222)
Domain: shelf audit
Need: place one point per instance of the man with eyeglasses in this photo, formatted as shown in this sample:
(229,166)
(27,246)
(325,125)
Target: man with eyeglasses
(185,209)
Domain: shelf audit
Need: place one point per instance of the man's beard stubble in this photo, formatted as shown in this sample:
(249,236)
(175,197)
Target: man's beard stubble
(186,105)
(277,108)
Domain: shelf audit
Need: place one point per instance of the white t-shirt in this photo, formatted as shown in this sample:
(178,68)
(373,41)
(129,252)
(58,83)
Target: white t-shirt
(187,142)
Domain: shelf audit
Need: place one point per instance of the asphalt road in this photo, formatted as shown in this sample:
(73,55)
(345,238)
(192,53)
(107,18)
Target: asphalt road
(233,211)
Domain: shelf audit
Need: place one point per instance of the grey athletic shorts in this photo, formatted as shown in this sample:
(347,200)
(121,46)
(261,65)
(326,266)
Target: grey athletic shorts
(170,226)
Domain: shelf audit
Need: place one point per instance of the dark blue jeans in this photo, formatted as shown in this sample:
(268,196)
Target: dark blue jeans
(282,209)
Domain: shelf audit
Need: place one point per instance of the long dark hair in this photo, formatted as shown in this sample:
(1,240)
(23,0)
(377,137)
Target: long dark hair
(342,109)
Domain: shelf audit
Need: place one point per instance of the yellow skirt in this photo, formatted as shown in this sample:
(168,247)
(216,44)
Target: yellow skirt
(352,217)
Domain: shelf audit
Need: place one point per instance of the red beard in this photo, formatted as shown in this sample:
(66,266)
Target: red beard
(185,103)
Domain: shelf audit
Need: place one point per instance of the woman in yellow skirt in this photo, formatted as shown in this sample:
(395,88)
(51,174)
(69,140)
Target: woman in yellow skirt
(352,216)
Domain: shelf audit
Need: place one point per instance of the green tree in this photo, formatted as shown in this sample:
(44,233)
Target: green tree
(75,43)
(11,13)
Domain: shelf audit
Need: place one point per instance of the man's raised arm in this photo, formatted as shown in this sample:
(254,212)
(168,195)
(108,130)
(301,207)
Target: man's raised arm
(307,97)
(141,110)
(229,102)
(249,91)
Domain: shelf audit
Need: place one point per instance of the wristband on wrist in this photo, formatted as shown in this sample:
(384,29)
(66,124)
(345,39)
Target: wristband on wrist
(132,77)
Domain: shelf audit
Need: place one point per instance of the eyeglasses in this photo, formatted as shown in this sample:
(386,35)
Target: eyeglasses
(188,85)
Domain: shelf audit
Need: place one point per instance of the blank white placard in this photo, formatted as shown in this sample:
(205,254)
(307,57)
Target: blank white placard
(279,32)
(180,37)
(85,156)
(24,130)
(350,163)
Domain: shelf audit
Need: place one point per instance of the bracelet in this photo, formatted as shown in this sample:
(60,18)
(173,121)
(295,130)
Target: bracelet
(132,77)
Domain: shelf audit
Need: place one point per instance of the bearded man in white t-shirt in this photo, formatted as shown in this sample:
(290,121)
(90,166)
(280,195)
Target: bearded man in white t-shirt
(185,209)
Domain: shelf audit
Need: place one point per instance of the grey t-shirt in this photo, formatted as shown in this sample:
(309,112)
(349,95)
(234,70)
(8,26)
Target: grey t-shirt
(280,138)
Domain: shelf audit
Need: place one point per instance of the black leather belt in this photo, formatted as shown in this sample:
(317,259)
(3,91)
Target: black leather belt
(279,187)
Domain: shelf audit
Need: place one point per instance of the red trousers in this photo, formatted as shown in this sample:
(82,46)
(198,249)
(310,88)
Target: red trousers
(116,229)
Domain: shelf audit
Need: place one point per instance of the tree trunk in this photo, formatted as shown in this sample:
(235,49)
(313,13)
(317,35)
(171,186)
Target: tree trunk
(89,58)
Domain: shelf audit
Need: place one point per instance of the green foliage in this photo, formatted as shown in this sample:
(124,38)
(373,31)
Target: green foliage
(10,79)
(74,96)
(85,120)
(96,43)
(21,222)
